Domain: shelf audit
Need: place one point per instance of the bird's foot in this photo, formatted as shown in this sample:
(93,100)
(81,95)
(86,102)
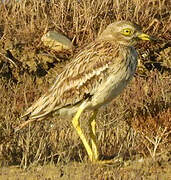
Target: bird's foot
(117,161)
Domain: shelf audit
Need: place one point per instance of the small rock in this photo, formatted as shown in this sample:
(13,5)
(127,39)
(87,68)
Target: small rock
(56,41)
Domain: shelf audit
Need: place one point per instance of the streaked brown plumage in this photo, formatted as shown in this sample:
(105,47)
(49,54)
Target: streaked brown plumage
(83,77)
(94,77)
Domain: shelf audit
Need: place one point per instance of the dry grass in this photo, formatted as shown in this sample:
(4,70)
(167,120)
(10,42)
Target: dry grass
(136,125)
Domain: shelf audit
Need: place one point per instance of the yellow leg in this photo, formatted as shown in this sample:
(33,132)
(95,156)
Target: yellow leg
(92,130)
(95,149)
(76,124)
(92,150)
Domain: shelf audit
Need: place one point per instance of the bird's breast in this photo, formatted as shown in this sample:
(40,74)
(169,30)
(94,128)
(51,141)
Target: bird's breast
(116,81)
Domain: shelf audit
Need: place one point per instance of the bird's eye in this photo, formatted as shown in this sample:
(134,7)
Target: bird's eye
(127,32)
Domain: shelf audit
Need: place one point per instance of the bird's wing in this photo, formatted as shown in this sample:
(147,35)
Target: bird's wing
(80,79)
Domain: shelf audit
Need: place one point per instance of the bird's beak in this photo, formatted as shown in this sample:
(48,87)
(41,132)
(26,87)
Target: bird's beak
(144,37)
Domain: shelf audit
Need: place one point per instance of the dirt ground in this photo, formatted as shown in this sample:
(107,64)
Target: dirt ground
(147,169)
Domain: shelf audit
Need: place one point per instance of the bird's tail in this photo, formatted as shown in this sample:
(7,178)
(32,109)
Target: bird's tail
(41,108)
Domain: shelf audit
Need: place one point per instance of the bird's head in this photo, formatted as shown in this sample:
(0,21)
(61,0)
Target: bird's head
(124,32)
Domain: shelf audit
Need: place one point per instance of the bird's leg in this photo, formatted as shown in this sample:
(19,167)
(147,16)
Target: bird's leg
(92,150)
(94,145)
(92,131)
(76,125)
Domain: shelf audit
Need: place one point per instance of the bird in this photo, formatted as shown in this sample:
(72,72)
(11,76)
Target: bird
(93,78)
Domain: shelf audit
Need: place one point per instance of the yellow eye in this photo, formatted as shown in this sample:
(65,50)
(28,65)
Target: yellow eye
(127,32)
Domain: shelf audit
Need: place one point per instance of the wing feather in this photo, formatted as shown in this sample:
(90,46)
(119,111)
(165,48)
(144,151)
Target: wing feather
(82,76)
